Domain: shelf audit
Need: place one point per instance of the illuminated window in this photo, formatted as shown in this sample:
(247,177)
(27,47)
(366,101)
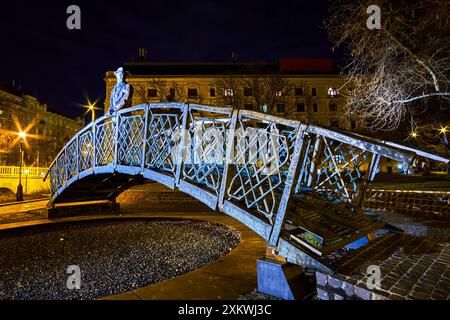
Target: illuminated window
(278,93)
(332,92)
(228,92)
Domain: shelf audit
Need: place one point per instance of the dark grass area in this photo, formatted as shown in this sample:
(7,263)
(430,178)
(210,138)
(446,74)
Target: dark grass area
(113,256)
(402,182)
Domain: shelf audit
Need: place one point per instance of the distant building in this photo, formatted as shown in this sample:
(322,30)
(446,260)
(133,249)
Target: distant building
(302,89)
(54,129)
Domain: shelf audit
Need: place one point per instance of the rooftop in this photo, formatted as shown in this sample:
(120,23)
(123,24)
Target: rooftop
(287,66)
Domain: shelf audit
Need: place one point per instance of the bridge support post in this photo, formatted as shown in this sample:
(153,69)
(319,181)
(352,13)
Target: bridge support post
(229,158)
(183,143)
(291,182)
(281,279)
(312,177)
(369,176)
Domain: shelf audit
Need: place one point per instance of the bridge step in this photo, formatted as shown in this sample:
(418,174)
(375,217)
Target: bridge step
(330,226)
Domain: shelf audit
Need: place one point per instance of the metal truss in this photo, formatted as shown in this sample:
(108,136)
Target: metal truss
(246,164)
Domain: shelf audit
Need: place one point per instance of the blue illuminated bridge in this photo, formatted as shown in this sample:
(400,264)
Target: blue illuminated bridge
(299,186)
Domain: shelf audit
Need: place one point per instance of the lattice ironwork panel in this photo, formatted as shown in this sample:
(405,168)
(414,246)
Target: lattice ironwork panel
(71,152)
(53,179)
(261,161)
(163,136)
(336,168)
(205,152)
(130,140)
(85,150)
(61,170)
(104,143)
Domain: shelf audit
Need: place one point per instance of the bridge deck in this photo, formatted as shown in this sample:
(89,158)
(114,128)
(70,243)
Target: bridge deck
(254,167)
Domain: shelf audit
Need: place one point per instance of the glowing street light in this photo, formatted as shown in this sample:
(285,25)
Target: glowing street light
(414,134)
(90,108)
(443,130)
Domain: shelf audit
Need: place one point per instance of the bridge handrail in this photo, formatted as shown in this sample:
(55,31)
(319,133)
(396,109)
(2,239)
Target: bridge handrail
(271,159)
(392,150)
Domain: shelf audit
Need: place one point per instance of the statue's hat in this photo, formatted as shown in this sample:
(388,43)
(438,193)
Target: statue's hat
(119,70)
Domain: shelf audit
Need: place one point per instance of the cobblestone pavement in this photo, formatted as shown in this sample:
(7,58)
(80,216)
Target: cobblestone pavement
(113,256)
(411,267)
(414,265)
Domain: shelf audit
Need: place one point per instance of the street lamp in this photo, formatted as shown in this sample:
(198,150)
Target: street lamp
(414,134)
(443,130)
(91,108)
(22,136)
(26,171)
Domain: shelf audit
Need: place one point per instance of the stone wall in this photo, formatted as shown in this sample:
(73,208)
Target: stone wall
(30,185)
(334,287)
(156,197)
(429,204)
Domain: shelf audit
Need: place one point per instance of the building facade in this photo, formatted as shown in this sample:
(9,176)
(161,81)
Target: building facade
(302,89)
(48,131)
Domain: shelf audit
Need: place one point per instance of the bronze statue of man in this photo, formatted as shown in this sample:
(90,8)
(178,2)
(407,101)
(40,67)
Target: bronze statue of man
(121,93)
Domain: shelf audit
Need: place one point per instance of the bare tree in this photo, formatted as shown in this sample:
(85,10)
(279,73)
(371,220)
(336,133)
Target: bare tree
(140,90)
(140,94)
(276,89)
(176,92)
(162,89)
(393,71)
(230,88)
(267,89)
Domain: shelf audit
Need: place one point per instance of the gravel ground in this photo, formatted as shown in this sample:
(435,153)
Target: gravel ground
(113,256)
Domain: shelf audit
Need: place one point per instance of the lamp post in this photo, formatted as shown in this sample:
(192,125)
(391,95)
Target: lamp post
(26,171)
(19,194)
(92,109)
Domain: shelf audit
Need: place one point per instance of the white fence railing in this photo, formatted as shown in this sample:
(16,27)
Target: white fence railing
(32,172)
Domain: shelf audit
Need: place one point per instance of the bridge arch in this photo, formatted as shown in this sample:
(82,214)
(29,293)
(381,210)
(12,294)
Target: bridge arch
(246,164)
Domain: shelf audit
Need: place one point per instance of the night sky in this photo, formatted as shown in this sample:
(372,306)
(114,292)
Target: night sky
(62,67)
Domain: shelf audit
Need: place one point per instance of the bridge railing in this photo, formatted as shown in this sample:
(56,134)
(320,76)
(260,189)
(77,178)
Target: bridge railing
(244,157)
(247,164)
